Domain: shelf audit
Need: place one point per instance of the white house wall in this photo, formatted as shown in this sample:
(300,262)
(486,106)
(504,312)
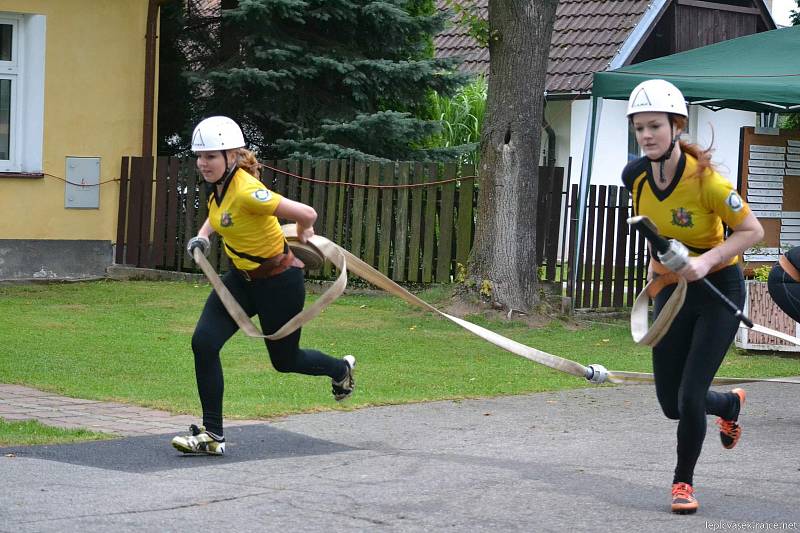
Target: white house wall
(611,148)
(726,126)
(558,114)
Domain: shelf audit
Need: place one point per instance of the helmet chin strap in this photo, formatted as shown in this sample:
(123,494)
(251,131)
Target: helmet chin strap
(666,155)
(229,170)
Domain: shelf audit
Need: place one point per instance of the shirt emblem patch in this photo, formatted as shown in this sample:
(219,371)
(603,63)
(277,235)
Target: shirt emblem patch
(262,195)
(734,201)
(682,218)
(225,220)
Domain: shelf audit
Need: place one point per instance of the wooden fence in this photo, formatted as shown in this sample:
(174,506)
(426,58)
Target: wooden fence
(612,260)
(412,221)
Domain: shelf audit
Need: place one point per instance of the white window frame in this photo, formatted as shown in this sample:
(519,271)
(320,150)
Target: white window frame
(10,70)
(26,70)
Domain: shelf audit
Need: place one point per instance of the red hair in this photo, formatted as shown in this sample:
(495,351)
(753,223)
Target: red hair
(703,155)
(246,160)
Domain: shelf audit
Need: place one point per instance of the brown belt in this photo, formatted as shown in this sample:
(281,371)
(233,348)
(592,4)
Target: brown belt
(789,268)
(663,277)
(273,266)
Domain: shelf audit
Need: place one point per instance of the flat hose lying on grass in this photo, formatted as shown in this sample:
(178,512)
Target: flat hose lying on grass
(318,249)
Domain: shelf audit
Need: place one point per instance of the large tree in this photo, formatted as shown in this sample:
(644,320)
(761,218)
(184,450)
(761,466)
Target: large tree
(504,253)
(322,78)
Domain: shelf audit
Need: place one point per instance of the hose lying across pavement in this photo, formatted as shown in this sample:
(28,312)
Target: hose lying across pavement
(318,249)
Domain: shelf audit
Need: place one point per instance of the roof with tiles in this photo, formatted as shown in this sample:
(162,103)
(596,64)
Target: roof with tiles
(204,8)
(453,41)
(586,35)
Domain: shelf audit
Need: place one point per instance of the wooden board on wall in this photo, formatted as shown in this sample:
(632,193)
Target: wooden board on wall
(791,191)
(769,180)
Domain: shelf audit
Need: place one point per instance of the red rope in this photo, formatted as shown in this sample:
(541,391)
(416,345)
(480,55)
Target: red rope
(303,178)
(366,185)
(80,184)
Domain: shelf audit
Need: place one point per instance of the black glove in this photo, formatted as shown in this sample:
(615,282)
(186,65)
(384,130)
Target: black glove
(198,242)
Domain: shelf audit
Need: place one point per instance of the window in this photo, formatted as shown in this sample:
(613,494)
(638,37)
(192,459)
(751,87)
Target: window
(9,83)
(21,92)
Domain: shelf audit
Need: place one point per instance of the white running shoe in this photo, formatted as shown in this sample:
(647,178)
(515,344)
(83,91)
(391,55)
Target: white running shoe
(200,442)
(344,388)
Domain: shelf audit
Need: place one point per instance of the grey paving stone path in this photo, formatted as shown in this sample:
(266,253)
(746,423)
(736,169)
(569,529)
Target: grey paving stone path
(25,403)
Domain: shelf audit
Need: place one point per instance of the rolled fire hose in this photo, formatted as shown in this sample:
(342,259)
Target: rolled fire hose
(318,249)
(652,334)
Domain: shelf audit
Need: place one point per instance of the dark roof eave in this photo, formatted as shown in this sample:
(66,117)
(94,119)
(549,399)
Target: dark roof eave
(572,95)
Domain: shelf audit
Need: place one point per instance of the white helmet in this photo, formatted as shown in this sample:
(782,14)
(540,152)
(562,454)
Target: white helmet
(657,96)
(217,133)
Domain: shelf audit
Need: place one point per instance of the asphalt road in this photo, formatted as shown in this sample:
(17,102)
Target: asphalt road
(597,459)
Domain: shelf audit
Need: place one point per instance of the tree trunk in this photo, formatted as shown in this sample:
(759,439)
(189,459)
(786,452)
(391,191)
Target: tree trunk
(504,253)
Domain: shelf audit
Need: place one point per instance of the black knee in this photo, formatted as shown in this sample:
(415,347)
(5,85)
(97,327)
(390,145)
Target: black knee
(671,411)
(204,341)
(669,405)
(284,366)
(785,292)
(692,403)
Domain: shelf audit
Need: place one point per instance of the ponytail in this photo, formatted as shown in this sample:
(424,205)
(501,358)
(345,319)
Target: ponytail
(703,155)
(246,160)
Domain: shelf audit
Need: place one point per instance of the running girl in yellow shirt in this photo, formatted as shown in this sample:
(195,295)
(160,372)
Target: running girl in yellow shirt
(267,280)
(675,186)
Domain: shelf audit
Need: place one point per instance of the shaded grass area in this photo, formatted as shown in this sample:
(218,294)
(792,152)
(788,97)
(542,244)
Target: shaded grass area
(30,432)
(130,342)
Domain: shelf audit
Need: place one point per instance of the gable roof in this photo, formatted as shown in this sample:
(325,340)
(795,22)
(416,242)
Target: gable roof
(588,36)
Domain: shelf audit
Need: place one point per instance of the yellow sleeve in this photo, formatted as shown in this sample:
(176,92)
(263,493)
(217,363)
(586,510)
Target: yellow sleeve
(259,200)
(720,198)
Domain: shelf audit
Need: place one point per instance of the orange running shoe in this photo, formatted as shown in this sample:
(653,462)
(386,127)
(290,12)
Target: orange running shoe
(729,430)
(683,500)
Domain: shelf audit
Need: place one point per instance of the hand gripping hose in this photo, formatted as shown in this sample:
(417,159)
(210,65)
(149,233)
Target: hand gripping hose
(318,249)
(674,255)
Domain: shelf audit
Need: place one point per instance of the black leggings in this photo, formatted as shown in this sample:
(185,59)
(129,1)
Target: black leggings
(275,300)
(688,357)
(785,291)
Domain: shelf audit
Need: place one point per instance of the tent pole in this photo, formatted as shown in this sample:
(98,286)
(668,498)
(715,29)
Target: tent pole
(583,188)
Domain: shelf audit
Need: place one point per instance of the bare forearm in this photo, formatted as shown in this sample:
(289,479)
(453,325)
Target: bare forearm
(306,218)
(304,215)
(734,245)
(206,230)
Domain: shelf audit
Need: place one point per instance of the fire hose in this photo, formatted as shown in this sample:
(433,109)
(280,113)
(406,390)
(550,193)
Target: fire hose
(318,249)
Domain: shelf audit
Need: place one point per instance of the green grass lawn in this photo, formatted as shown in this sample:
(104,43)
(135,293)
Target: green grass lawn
(130,342)
(30,432)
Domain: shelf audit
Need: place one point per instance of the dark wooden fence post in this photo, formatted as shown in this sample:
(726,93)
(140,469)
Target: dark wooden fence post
(122,212)
(400,238)
(444,257)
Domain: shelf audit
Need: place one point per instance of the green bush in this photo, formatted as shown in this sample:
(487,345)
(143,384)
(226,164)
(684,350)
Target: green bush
(461,117)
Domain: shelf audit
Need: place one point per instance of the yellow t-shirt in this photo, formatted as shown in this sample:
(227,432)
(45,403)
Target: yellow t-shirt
(692,209)
(244,216)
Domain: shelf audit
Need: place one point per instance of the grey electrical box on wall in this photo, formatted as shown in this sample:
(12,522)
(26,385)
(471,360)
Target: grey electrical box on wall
(83,183)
